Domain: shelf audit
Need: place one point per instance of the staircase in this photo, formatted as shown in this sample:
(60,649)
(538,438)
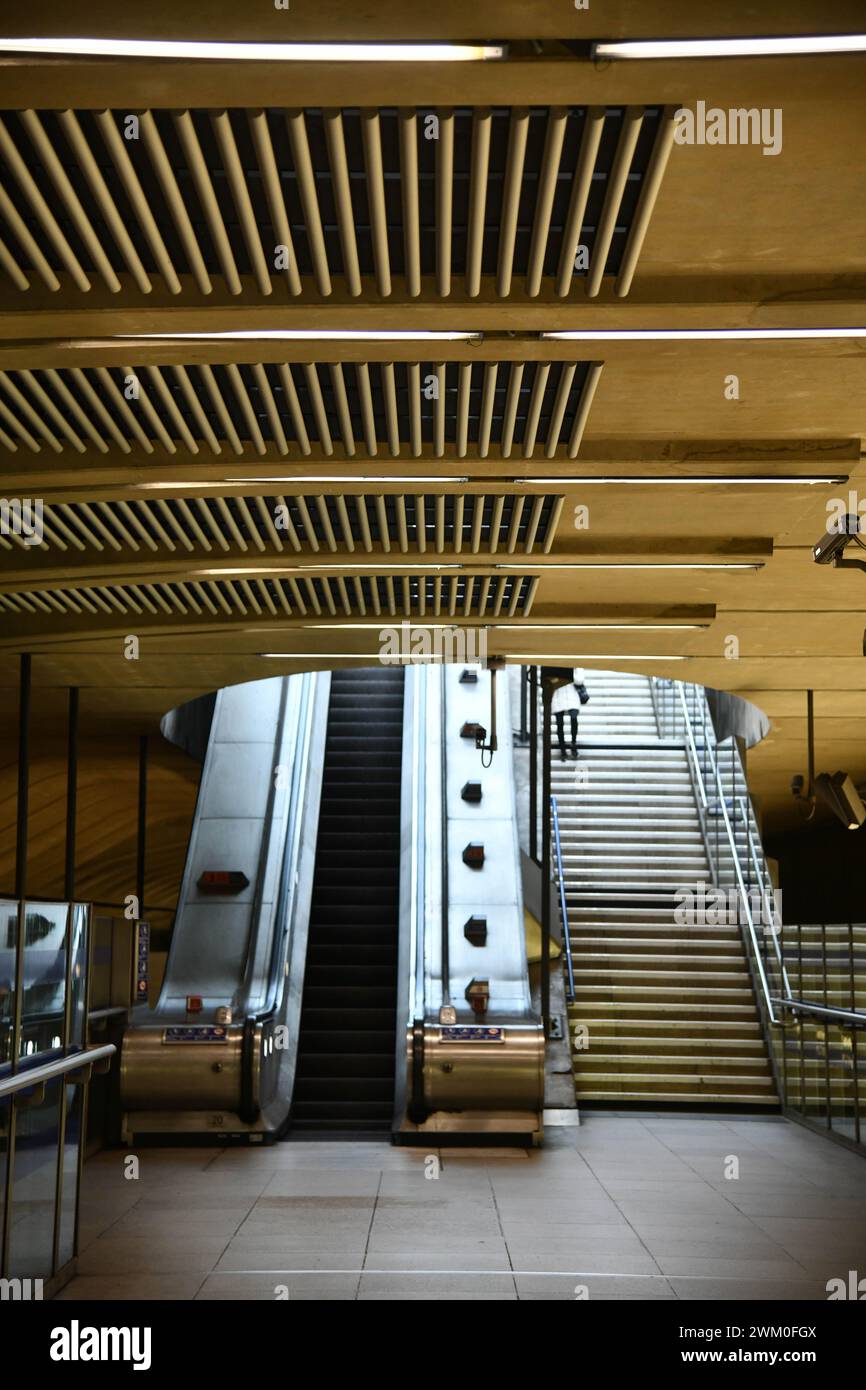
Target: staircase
(669,1009)
(345,1068)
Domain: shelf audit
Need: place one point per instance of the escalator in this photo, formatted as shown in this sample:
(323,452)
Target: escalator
(325,987)
(344,1080)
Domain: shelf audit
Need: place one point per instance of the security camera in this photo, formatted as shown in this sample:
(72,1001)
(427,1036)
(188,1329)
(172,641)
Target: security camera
(840,794)
(832,543)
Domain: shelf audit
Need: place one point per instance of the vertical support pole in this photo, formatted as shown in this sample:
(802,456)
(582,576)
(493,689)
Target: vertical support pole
(83,1091)
(852,997)
(546,696)
(71,795)
(23,808)
(142,823)
(524,686)
(25,672)
(810,738)
(827,1080)
(23,775)
(62,1092)
(803,1097)
(784,1015)
(533,764)
(69,894)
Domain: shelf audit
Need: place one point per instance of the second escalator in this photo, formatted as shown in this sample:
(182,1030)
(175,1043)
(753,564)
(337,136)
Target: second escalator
(344,1079)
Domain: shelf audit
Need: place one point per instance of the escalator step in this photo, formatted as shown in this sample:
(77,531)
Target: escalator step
(362,1089)
(349,996)
(366,955)
(370,1042)
(336,1110)
(335,1020)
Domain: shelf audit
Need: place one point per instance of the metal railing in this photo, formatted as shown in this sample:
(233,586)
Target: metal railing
(730,864)
(38,1077)
(563,906)
(812,1045)
(820,1049)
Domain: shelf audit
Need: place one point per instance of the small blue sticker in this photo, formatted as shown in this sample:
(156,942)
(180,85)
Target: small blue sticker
(471,1032)
(195,1033)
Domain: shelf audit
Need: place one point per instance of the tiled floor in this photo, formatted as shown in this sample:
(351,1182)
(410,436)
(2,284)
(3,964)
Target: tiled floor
(620,1208)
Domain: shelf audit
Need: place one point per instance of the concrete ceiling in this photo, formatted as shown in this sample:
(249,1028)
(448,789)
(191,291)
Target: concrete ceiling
(174,233)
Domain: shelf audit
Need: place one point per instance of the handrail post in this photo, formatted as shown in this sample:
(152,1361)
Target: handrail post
(533,764)
(546,696)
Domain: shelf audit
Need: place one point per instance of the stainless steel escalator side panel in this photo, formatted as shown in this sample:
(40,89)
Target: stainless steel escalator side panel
(258,804)
(420,757)
(276,1044)
(483,1075)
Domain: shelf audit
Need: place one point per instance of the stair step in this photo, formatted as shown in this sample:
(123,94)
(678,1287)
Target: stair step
(688,1096)
(672,1064)
(643,1030)
(692,1078)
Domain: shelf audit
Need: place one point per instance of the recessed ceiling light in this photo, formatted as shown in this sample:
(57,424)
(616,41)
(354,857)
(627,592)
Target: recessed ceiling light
(376,568)
(276,570)
(731,48)
(695,335)
(259,52)
(700,480)
(514,656)
(591,656)
(303,335)
(336,478)
(520,627)
(375,657)
(640,565)
(599,627)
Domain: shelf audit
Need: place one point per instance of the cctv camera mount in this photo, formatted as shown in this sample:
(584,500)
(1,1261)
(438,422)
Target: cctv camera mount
(829,549)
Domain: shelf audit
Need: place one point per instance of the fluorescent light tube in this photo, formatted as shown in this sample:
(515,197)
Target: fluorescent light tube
(535,657)
(276,571)
(515,656)
(696,335)
(335,478)
(731,48)
(493,626)
(629,565)
(373,657)
(703,480)
(259,52)
(303,335)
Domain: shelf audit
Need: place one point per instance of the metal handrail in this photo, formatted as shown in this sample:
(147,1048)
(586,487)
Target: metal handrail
(290,852)
(857,1017)
(39,1076)
(732,844)
(761,877)
(566,936)
(691,746)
